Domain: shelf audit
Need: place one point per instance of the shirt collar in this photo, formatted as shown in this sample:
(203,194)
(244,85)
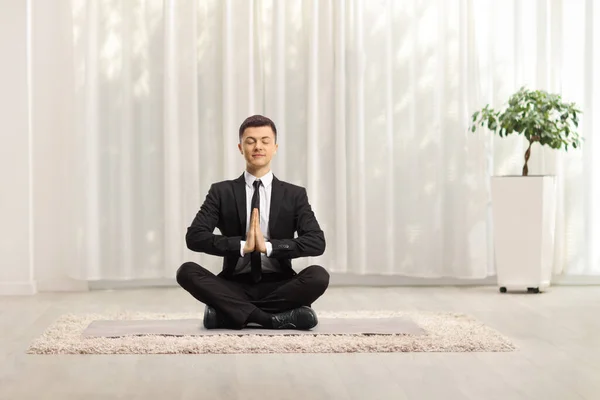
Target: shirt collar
(266,180)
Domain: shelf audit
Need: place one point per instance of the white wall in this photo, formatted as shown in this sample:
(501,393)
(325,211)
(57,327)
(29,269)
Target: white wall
(16,274)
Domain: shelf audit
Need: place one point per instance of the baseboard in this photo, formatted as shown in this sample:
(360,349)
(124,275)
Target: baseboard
(393,280)
(576,280)
(62,285)
(131,284)
(338,279)
(17,288)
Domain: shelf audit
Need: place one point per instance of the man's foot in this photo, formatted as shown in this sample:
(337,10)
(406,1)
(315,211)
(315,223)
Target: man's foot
(213,320)
(260,318)
(303,318)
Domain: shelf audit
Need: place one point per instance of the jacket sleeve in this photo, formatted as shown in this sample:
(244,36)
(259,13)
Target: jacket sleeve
(200,236)
(311,239)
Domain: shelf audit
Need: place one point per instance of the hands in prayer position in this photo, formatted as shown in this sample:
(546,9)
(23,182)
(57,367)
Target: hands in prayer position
(254,238)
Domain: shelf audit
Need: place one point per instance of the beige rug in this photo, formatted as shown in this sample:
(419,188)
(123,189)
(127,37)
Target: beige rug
(444,332)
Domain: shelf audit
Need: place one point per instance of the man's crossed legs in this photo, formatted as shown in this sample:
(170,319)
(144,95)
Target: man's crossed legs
(274,302)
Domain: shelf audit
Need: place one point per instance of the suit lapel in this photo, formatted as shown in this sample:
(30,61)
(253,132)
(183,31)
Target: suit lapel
(277,192)
(239,190)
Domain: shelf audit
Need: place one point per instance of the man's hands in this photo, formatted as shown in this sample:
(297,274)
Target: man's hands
(259,239)
(250,236)
(254,238)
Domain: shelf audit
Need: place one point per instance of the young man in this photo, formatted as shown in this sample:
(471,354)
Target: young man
(257,215)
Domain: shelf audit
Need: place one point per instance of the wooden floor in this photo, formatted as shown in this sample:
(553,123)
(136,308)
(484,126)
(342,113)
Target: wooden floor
(557,334)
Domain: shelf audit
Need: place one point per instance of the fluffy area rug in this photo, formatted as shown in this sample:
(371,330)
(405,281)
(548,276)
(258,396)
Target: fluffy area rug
(444,332)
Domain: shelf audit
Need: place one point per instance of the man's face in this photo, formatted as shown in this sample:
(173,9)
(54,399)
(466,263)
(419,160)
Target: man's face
(258,145)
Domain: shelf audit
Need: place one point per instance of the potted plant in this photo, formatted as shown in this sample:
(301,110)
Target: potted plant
(523,206)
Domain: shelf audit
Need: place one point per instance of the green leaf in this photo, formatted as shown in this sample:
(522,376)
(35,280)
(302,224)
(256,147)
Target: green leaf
(537,115)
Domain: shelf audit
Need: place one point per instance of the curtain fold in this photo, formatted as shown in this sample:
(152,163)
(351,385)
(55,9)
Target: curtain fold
(372,101)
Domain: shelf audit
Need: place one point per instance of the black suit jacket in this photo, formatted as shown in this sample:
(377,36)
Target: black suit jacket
(225,208)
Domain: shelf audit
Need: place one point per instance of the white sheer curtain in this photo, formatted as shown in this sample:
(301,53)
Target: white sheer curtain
(551,45)
(372,101)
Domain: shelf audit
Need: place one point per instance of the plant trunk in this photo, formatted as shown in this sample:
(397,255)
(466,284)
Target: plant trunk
(527,154)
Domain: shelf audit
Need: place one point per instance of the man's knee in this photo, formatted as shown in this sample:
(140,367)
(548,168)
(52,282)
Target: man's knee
(319,277)
(185,271)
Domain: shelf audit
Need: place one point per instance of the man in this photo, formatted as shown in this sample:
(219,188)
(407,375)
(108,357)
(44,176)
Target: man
(257,215)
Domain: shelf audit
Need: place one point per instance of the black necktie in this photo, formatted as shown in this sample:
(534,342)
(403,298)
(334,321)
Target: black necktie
(255,261)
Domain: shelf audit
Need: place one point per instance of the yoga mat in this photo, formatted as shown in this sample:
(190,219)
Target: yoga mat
(194,327)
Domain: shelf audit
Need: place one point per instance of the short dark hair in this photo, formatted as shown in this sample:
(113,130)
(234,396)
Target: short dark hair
(254,122)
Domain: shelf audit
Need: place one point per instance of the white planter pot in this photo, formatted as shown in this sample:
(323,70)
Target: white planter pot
(524,216)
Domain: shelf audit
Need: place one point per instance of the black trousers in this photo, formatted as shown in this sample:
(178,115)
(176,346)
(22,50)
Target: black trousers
(237,298)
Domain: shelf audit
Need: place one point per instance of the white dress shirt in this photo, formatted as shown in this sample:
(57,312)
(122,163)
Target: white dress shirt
(268,264)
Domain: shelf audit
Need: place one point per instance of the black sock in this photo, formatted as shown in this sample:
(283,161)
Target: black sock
(260,317)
